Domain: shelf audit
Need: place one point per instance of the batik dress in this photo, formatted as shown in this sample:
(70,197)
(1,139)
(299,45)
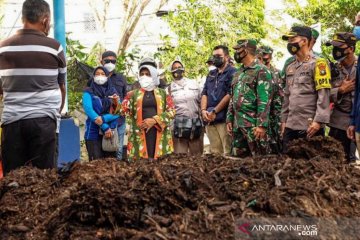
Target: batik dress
(132,108)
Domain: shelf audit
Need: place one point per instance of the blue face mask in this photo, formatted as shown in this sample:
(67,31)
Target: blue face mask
(356,32)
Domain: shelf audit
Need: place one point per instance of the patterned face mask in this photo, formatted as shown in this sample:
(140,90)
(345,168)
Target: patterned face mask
(293,48)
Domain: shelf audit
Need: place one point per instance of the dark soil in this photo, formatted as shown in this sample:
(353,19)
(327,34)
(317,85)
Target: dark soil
(177,197)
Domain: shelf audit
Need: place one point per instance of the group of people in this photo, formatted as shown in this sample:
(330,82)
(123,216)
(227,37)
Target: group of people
(251,110)
(246,106)
(262,109)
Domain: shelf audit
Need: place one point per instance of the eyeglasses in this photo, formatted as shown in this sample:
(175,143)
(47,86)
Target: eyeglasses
(109,61)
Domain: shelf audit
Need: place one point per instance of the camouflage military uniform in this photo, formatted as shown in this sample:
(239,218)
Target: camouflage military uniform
(275,111)
(249,107)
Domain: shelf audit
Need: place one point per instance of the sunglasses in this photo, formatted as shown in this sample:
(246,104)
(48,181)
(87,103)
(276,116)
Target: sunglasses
(109,61)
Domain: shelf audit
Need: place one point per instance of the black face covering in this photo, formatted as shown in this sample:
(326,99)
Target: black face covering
(293,48)
(219,61)
(339,53)
(178,73)
(266,61)
(239,56)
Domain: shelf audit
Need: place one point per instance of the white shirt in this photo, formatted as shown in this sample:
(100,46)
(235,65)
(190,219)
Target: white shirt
(186,95)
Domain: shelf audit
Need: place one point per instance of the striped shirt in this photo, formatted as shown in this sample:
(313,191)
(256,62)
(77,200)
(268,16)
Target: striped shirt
(31,68)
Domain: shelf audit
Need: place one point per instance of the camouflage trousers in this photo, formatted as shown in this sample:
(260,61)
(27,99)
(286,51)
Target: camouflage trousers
(244,143)
(275,141)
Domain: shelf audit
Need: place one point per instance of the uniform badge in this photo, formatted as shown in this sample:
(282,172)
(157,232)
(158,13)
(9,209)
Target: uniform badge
(322,69)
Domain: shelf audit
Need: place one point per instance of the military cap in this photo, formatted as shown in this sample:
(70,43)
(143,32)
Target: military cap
(298,31)
(266,50)
(247,43)
(342,38)
(314,33)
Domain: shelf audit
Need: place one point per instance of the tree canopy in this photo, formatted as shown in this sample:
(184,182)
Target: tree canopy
(201,25)
(334,15)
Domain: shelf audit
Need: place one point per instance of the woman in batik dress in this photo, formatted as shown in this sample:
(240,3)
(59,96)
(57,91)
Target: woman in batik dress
(149,111)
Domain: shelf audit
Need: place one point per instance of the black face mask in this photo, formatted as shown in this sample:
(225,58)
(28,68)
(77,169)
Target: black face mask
(178,73)
(339,53)
(266,61)
(219,61)
(239,56)
(293,48)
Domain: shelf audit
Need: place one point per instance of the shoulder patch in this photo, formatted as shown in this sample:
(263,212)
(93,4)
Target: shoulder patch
(322,74)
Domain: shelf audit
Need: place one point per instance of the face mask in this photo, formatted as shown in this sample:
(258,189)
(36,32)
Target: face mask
(239,56)
(212,67)
(100,80)
(293,48)
(109,66)
(219,61)
(356,32)
(339,53)
(178,73)
(147,83)
(266,61)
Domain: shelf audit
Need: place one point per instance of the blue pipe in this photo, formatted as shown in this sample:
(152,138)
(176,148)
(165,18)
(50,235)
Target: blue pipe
(59,33)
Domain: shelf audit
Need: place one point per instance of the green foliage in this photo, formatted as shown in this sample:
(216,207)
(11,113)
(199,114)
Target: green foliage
(334,16)
(77,78)
(201,25)
(125,63)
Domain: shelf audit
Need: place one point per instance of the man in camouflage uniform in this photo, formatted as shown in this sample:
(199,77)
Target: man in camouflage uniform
(265,56)
(307,92)
(343,86)
(248,113)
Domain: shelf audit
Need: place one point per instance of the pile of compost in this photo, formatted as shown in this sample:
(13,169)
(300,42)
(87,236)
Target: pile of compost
(177,197)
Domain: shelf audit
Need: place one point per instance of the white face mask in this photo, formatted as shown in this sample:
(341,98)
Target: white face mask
(147,83)
(100,80)
(109,66)
(212,68)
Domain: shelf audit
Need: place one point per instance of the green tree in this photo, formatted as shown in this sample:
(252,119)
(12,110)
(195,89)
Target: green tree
(78,74)
(199,25)
(334,15)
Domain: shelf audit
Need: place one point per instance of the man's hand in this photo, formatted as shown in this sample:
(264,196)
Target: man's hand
(205,116)
(211,116)
(108,133)
(347,86)
(313,128)
(351,132)
(259,133)
(98,121)
(282,129)
(147,124)
(229,128)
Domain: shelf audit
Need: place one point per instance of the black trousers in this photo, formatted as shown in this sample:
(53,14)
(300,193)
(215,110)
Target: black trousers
(29,142)
(94,149)
(291,134)
(341,136)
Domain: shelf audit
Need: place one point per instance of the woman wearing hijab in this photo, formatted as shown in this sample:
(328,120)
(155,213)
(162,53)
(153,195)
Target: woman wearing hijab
(150,112)
(97,104)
